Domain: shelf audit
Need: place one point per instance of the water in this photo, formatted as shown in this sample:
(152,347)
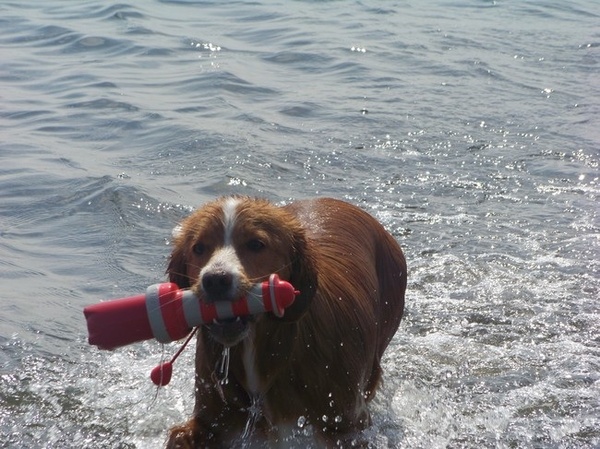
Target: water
(470,129)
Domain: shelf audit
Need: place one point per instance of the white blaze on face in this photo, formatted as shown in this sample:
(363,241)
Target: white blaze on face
(229,216)
(225,257)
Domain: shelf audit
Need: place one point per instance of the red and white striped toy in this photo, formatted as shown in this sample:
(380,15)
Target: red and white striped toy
(168,313)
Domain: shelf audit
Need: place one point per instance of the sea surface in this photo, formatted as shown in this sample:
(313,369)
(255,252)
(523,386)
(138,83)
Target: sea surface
(469,128)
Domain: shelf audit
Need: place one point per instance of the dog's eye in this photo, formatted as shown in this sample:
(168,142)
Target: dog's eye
(255,245)
(199,248)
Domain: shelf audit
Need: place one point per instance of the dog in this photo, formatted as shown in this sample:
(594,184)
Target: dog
(266,380)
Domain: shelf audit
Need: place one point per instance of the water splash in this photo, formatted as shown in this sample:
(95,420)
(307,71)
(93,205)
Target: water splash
(223,368)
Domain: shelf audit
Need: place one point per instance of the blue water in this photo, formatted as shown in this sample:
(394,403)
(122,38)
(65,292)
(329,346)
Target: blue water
(469,128)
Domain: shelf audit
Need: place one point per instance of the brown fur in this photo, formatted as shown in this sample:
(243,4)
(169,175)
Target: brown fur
(322,359)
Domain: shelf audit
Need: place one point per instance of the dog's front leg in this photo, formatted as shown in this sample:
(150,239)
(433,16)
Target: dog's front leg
(184,436)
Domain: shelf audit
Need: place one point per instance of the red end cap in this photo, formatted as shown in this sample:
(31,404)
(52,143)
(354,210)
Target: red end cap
(161,374)
(285,294)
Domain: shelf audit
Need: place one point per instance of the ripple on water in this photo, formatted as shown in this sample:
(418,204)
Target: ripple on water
(476,149)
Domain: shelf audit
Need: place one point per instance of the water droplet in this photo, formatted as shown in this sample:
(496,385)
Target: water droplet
(338,419)
(324,418)
(301,421)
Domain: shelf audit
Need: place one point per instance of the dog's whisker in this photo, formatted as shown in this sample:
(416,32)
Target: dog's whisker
(277,271)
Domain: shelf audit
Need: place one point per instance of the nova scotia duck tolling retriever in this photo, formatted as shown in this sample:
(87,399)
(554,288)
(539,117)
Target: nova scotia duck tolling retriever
(266,381)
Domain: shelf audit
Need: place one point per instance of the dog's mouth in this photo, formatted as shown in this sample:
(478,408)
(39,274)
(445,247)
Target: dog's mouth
(231,331)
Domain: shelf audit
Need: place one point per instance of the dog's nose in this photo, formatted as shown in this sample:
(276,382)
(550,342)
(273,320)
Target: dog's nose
(217,284)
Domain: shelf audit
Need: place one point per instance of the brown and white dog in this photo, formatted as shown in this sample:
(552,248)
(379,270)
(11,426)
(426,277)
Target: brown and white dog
(317,366)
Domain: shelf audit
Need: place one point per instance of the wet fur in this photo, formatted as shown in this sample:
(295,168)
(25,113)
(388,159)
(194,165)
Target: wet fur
(322,359)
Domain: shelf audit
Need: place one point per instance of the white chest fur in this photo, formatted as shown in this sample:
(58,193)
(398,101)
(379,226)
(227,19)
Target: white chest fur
(249,359)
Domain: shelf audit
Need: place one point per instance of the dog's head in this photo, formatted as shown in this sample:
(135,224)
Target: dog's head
(228,245)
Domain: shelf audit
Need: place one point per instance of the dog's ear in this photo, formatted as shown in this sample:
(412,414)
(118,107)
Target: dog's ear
(177,268)
(303,277)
